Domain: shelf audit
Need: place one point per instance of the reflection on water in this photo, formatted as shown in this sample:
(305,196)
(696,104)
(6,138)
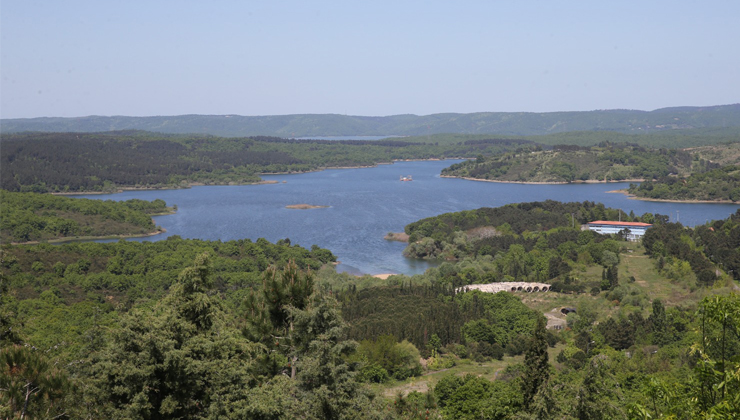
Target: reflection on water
(365,204)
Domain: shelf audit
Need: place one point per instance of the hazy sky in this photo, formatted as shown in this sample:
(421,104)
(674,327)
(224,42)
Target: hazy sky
(76,58)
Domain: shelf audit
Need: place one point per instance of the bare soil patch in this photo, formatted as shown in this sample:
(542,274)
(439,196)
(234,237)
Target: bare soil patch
(397,236)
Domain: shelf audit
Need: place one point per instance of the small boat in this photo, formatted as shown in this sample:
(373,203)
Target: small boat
(406,178)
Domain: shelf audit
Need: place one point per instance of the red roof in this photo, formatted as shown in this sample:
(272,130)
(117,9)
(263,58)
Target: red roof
(613,223)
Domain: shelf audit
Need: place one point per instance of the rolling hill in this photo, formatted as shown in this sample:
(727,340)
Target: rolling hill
(306,125)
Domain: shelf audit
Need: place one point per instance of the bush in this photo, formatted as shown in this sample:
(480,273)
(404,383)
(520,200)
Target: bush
(438,362)
(373,372)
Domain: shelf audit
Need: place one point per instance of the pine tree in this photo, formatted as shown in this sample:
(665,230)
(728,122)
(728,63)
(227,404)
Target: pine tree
(269,318)
(659,323)
(536,364)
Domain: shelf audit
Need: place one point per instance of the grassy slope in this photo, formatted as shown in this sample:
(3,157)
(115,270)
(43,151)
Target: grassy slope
(723,154)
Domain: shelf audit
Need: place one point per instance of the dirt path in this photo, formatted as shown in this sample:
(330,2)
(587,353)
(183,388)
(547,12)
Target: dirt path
(555,319)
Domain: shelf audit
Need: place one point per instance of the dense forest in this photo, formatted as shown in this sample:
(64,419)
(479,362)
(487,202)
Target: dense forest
(70,162)
(241,329)
(567,163)
(304,125)
(67,162)
(38,217)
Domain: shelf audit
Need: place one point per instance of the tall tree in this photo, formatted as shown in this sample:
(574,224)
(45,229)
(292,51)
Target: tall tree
(536,364)
(269,319)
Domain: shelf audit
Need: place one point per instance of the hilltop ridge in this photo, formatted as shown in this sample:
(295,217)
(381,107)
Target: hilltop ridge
(306,125)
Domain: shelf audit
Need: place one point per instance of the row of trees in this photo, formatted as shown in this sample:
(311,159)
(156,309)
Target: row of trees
(486,324)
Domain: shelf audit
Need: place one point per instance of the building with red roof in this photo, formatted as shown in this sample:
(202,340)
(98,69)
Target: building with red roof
(634,230)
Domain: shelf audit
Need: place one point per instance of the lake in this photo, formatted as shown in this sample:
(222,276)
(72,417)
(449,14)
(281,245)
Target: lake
(367,203)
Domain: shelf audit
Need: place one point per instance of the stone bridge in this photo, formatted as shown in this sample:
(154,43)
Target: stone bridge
(507,286)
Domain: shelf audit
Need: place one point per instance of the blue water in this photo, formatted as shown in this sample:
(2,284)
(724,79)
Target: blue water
(367,203)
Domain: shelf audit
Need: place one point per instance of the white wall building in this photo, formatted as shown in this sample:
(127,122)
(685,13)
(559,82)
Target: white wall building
(635,229)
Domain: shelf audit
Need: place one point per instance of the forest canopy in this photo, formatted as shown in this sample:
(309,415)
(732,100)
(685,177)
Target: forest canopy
(39,217)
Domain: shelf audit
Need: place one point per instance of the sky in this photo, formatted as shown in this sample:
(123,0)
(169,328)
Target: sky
(375,58)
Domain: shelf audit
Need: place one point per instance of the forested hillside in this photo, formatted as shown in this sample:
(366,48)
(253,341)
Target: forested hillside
(514,123)
(36,217)
(105,162)
(564,163)
(241,329)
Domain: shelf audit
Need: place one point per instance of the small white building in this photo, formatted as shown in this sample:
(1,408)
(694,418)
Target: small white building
(635,230)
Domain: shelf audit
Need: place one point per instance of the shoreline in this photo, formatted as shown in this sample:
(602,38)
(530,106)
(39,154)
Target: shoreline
(375,165)
(590,181)
(664,200)
(184,187)
(384,276)
(90,238)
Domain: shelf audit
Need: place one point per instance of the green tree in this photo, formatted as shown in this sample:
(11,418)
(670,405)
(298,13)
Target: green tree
(659,323)
(269,317)
(536,364)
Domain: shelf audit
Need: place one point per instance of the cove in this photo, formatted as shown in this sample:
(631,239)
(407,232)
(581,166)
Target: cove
(366,203)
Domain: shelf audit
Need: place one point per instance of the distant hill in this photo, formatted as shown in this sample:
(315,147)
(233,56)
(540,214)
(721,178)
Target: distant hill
(306,125)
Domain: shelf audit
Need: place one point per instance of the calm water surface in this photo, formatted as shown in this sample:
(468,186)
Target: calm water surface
(365,204)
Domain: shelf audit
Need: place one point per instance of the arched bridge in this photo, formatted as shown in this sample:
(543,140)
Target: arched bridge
(507,286)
